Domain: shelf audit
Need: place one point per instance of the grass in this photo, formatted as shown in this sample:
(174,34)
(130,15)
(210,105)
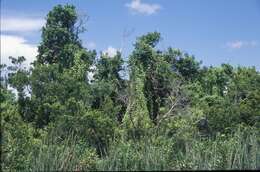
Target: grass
(238,151)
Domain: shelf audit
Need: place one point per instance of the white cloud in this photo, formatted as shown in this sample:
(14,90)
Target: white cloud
(16,24)
(143,8)
(16,46)
(235,45)
(110,51)
(241,44)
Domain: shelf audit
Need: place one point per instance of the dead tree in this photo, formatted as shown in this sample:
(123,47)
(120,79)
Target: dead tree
(176,101)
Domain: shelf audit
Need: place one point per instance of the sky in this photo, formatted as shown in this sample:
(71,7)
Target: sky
(215,31)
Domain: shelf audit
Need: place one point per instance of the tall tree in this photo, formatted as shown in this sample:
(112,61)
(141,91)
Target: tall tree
(59,77)
(59,37)
(156,69)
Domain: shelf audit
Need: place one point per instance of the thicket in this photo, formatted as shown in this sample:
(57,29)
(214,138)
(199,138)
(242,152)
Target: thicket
(171,113)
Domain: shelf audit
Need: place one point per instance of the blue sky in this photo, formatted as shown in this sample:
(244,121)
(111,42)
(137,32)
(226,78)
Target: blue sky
(215,31)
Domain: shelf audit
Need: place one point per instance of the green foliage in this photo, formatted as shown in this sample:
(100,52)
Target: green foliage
(170,114)
(183,64)
(237,151)
(136,120)
(221,114)
(59,37)
(16,139)
(157,72)
(134,156)
(60,72)
(70,154)
(109,88)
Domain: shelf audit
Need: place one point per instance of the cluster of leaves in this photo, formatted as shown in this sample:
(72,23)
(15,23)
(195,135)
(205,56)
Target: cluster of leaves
(171,113)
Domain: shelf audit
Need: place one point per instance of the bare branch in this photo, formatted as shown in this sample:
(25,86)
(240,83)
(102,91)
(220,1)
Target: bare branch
(83,18)
(176,100)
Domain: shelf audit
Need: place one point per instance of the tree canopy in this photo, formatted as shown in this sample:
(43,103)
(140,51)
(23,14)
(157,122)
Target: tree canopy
(172,113)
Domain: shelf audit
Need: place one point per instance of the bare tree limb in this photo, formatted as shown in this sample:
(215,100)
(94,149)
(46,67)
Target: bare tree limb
(176,100)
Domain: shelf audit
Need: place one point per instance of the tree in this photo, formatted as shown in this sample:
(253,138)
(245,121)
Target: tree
(61,68)
(109,87)
(19,79)
(16,135)
(136,121)
(244,91)
(155,69)
(59,37)
(183,64)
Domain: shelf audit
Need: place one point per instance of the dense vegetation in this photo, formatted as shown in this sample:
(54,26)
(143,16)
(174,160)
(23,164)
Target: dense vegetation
(166,113)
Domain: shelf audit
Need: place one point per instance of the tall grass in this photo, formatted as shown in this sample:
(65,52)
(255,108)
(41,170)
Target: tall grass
(56,154)
(240,151)
(129,155)
(237,151)
(52,156)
